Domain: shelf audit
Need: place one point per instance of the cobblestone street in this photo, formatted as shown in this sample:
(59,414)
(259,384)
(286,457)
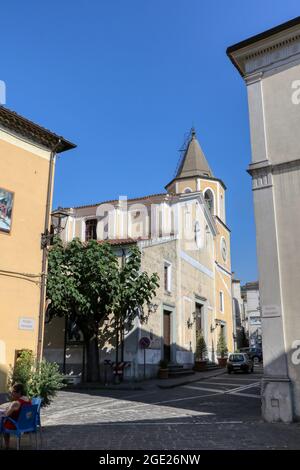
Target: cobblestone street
(221,412)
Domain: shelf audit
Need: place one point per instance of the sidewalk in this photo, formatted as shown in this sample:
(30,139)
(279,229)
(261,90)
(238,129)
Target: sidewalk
(151,383)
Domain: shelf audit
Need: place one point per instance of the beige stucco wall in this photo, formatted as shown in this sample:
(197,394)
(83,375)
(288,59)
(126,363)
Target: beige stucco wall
(24,171)
(196,278)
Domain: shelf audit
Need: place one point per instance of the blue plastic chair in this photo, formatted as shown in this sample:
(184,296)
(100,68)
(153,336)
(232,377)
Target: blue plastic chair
(26,423)
(38,401)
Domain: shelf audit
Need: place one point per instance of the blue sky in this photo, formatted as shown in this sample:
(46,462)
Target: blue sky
(125,80)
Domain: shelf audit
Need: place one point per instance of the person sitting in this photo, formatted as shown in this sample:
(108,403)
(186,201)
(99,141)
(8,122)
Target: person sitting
(13,409)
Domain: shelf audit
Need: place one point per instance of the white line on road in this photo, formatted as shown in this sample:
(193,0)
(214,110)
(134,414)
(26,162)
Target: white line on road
(159,423)
(246,395)
(243,379)
(243,387)
(52,417)
(233,391)
(220,383)
(191,387)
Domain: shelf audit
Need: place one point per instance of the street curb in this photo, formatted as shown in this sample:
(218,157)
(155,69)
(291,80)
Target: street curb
(191,381)
(83,389)
(145,386)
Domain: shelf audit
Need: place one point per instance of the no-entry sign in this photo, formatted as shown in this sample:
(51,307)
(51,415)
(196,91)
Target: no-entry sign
(144,342)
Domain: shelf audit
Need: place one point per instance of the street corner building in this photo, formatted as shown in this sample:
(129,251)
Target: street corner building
(183,236)
(270,65)
(27,157)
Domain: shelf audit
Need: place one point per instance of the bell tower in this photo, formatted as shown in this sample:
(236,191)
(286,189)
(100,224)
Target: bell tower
(194,174)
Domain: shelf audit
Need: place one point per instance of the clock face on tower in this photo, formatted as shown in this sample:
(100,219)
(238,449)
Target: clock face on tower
(223,249)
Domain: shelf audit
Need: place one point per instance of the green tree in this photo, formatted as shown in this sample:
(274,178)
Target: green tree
(222,349)
(81,285)
(133,294)
(201,348)
(86,284)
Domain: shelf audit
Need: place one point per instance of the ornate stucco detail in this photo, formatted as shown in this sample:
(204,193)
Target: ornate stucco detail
(261,178)
(280,51)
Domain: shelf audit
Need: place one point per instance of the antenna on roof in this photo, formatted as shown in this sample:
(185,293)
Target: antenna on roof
(188,136)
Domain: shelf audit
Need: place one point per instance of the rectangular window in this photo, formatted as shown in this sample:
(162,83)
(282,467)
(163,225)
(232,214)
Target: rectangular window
(91,229)
(222,301)
(167,276)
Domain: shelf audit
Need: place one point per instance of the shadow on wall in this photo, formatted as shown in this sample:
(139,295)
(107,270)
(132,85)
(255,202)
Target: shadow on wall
(129,352)
(3,382)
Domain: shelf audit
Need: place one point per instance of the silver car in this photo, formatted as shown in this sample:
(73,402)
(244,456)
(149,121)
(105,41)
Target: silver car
(239,361)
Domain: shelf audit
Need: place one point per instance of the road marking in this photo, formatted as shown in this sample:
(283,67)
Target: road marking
(222,383)
(248,395)
(233,391)
(243,387)
(243,379)
(73,411)
(203,388)
(159,423)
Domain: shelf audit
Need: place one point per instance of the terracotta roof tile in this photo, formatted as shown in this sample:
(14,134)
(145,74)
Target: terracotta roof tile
(150,198)
(28,129)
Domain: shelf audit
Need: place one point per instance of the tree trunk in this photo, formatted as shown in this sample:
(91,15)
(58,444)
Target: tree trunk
(92,357)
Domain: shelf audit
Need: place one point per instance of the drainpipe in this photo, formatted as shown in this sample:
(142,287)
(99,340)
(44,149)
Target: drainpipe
(45,254)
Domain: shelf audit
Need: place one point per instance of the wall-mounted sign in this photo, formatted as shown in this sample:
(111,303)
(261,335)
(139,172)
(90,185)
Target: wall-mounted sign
(26,324)
(270,311)
(144,342)
(255,321)
(6,206)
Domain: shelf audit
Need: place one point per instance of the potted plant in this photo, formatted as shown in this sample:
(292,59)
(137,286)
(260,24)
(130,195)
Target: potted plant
(222,350)
(163,372)
(200,354)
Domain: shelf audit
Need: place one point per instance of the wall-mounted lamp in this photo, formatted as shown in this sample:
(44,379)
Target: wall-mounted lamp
(190,322)
(59,219)
(152,307)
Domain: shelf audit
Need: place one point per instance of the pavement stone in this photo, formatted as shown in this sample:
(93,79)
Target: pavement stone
(203,415)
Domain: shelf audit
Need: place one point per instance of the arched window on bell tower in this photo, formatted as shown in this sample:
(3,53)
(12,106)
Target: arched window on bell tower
(209,199)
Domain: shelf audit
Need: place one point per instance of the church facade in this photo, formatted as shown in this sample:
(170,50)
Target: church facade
(183,236)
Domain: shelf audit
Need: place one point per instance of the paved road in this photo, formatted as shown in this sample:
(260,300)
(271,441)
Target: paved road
(219,413)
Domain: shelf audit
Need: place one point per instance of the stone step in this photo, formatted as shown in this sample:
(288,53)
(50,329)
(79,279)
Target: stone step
(180,372)
(212,367)
(175,367)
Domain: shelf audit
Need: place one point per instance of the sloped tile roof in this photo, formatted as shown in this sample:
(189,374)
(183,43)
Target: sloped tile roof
(33,132)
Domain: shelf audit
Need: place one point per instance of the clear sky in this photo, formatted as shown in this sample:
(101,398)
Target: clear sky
(125,80)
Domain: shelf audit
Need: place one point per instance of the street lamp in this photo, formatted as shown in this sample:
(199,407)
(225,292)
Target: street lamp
(59,219)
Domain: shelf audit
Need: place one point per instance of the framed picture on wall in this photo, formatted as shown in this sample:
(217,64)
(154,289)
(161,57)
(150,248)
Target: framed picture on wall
(6,207)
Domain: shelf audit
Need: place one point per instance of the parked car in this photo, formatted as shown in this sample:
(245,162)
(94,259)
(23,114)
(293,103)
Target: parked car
(239,361)
(255,353)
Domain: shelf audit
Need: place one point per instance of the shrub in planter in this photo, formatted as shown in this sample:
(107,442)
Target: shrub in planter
(163,372)
(42,380)
(222,350)
(200,354)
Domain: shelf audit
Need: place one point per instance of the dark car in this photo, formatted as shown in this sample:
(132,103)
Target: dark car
(239,362)
(255,353)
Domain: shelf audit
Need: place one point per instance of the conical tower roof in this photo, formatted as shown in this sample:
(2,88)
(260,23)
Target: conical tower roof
(193,162)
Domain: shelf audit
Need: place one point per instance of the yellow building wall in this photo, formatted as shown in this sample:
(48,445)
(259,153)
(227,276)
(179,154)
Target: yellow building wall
(223,284)
(223,232)
(187,183)
(25,173)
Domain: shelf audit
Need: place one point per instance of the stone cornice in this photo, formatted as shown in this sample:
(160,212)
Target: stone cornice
(268,52)
(262,172)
